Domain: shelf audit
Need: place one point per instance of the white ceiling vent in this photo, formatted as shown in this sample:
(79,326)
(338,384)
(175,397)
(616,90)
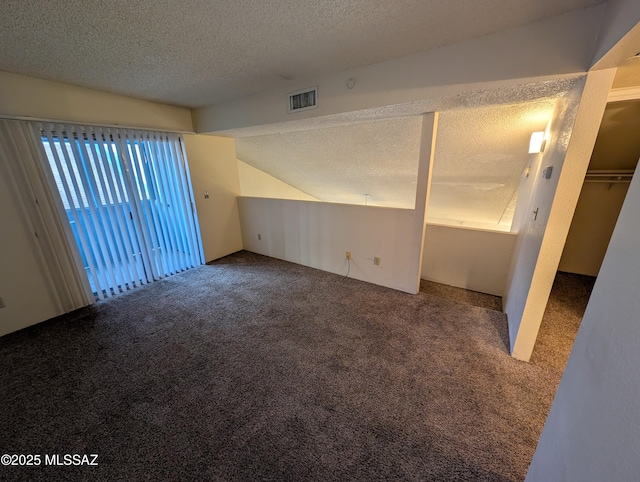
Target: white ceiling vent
(303,99)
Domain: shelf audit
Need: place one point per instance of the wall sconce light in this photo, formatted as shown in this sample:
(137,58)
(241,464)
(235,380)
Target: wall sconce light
(537,142)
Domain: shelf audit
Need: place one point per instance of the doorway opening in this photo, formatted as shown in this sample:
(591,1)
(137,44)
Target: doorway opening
(611,168)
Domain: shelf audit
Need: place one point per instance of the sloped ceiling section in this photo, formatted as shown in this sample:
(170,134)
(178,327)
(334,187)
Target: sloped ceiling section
(343,163)
(480,156)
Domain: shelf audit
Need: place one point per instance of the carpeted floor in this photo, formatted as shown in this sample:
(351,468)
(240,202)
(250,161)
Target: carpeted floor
(567,303)
(256,369)
(460,295)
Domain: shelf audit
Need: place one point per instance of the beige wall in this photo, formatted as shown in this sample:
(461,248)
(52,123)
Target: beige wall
(257,183)
(473,259)
(212,162)
(591,228)
(22,96)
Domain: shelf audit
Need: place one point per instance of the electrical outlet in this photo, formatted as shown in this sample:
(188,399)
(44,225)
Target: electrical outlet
(206,194)
(259,237)
(348,255)
(376,260)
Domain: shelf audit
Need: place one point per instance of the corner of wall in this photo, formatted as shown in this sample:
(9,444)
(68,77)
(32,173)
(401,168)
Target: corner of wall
(214,177)
(255,182)
(22,96)
(541,240)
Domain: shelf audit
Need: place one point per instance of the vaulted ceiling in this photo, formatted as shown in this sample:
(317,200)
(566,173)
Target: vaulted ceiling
(199,52)
(480,155)
(343,163)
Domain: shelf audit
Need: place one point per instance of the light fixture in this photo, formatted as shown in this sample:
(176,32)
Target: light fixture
(537,142)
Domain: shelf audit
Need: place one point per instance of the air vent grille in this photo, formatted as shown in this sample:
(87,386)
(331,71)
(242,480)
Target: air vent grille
(303,100)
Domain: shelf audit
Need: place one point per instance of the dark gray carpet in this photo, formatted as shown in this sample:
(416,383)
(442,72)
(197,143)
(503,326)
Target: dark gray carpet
(461,295)
(566,306)
(257,369)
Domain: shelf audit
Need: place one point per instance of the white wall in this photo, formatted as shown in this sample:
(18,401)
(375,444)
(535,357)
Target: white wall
(473,259)
(23,283)
(318,234)
(542,50)
(528,181)
(540,241)
(22,96)
(257,183)
(593,222)
(212,164)
(591,434)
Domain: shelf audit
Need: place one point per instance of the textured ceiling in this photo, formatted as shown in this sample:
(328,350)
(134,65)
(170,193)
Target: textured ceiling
(343,163)
(479,159)
(480,156)
(516,94)
(198,52)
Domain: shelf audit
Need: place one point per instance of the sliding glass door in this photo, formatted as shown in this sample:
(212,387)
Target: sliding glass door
(128,197)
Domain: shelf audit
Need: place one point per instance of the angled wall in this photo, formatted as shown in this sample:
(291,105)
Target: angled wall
(592,433)
(552,204)
(257,183)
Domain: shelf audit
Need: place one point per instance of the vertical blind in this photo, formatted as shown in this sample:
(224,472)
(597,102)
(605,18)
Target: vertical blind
(23,165)
(128,197)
